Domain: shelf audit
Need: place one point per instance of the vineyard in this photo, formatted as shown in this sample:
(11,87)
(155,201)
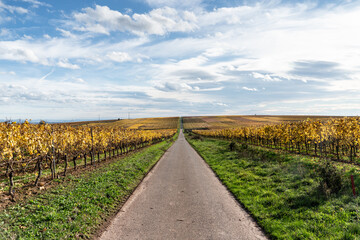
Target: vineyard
(34,148)
(338,139)
(137,123)
(222,122)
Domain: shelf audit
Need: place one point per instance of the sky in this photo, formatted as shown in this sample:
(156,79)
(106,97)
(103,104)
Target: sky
(106,59)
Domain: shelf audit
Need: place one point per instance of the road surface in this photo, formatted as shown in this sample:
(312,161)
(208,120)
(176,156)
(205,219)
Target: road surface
(181,198)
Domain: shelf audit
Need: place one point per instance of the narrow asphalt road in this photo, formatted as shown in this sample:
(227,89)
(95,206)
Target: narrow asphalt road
(181,198)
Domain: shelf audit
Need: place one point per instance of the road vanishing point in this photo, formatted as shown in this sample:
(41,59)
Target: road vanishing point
(181,198)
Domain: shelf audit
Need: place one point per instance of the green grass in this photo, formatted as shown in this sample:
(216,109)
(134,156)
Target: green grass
(77,207)
(22,179)
(282,191)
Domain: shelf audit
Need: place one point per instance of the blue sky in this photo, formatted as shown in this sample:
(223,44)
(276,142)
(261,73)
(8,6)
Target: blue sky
(64,60)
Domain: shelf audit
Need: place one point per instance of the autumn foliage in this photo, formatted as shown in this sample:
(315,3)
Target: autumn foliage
(46,145)
(335,138)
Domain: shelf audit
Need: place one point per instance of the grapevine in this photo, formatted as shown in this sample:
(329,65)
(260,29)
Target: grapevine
(46,145)
(338,139)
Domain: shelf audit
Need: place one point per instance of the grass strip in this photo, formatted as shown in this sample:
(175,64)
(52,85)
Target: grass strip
(282,191)
(76,208)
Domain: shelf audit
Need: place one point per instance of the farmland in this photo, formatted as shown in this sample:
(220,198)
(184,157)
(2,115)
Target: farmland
(336,138)
(33,153)
(291,173)
(135,124)
(222,122)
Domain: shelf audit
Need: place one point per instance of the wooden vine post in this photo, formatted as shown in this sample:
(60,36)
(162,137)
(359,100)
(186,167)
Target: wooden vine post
(38,164)
(92,146)
(11,182)
(53,164)
(53,157)
(85,159)
(74,161)
(66,164)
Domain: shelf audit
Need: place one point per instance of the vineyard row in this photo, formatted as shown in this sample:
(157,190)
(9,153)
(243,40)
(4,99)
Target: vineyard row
(34,147)
(337,139)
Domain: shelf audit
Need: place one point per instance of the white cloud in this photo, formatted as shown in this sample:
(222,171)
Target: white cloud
(79,80)
(62,51)
(347,85)
(266,77)
(172,86)
(36,3)
(243,15)
(13,9)
(252,46)
(119,56)
(250,89)
(66,33)
(8,73)
(27,37)
(189,4)
(13,51)
(214,52)
(221,104)
(269,38)
(103,20)
(64,63)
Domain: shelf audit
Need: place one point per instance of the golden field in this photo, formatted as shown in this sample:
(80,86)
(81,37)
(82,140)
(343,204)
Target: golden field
(221,122)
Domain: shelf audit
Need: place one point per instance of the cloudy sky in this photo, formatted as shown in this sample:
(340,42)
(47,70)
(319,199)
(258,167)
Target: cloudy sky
(64,60)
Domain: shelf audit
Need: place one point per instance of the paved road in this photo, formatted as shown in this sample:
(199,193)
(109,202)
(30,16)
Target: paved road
(181,198)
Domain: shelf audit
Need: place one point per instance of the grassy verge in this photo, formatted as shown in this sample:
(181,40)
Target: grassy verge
(283,192)
(23,179)
(76,208)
